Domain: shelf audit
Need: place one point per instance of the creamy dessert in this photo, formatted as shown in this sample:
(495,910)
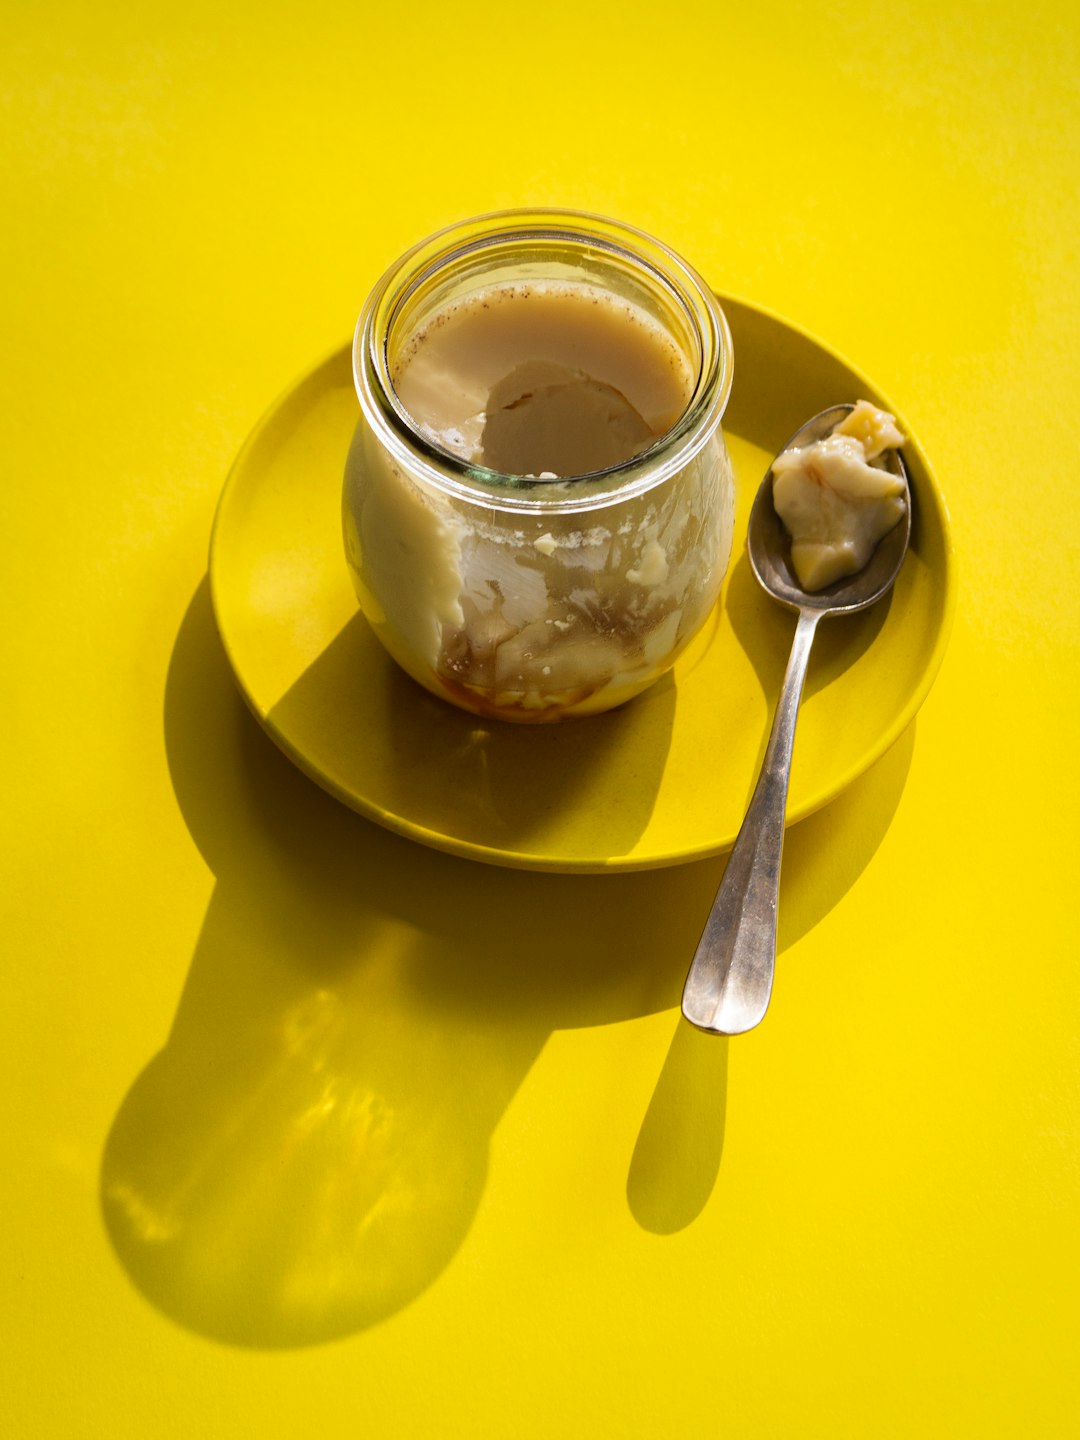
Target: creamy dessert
(543,379)
(545,589)
(836,498)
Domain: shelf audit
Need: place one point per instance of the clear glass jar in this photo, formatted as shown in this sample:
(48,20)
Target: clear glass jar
(539,596)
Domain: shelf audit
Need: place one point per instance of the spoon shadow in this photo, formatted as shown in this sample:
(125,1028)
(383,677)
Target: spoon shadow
(678,1152)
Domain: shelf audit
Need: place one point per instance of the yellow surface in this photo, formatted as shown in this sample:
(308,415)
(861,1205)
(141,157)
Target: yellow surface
(310,1130)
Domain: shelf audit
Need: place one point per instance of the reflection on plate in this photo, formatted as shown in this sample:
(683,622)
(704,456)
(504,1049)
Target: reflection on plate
(664,779)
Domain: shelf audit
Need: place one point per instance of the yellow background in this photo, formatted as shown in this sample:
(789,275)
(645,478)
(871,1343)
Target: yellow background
(307,1130)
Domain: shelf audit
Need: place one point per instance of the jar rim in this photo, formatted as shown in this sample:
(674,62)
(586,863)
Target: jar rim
(401,436)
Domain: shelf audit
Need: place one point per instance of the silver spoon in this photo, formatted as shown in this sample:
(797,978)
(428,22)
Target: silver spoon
(730,981)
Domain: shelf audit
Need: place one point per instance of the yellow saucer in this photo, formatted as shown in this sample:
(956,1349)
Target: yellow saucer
(664,779)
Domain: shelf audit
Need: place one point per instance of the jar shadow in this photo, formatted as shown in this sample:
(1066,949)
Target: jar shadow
(307,1151)
(490,784)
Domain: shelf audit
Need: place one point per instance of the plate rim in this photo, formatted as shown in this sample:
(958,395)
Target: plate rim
(500,857)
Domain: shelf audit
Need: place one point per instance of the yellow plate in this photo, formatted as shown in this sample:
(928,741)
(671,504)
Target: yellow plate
(664,779)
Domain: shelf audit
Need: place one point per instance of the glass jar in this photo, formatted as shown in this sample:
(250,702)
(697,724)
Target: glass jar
(564,590)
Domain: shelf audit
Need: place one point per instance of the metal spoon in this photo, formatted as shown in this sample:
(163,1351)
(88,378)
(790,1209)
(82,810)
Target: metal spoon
(730,981)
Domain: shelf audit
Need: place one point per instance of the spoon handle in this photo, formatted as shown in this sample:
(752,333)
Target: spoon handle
(730,981)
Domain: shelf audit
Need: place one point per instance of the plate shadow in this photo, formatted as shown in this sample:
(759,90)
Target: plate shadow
(305,1154)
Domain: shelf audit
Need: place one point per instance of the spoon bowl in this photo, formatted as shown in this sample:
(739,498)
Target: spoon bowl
(770,550)
(730,981)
